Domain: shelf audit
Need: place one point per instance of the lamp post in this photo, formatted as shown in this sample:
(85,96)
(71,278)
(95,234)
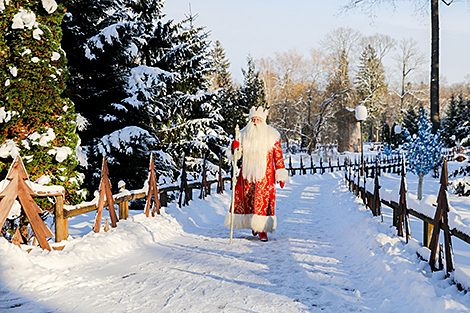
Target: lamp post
(361,115)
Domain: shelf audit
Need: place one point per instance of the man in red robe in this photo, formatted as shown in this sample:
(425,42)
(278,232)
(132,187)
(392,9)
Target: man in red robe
(262,167)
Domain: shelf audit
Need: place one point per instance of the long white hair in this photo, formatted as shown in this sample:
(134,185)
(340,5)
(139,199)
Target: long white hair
(256,141)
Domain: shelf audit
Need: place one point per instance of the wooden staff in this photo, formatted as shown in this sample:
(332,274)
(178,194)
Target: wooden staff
(234,182)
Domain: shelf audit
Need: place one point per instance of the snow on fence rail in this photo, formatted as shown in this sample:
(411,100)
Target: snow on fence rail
(431,225)
(124,196)
(18,186)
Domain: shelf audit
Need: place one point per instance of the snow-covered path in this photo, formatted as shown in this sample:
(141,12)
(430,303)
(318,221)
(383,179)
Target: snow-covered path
(328,254)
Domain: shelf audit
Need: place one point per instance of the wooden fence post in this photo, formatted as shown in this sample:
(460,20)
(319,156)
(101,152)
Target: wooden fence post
(427,232)
(123,210)
(204,192)
(61,223)
(188,192)
(376,209)
(123,206)
(220,181)
(312,166)
(403,217)
(292,171)
(164,198)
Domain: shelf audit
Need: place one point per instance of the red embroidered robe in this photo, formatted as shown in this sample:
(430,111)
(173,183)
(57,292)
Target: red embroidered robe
(255,201)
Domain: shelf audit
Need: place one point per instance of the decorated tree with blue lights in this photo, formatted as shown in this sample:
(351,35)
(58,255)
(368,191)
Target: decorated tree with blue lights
(423,150)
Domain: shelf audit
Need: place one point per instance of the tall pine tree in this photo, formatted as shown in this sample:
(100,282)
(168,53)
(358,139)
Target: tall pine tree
(36,121)
(112,90)
(450,122)
(371,87)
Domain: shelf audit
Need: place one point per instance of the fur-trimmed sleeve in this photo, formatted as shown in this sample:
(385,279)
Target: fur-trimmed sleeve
(281,173)
(229,154)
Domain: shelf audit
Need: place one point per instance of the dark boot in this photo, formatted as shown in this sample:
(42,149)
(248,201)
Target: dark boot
(255,233)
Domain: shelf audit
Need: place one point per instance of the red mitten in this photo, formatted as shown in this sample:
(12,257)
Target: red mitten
(235,145)
(282,184)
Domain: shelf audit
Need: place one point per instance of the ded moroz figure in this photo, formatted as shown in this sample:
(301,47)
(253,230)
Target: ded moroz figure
(262,167)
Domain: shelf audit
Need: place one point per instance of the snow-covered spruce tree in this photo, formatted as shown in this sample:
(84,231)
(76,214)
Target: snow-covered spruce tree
(250,94)
(371,86)
(221,78)
(462,131)
(222,85)
(423,150)
(410,118)
(36,121)
(187,118)
(114,88)
(449,123)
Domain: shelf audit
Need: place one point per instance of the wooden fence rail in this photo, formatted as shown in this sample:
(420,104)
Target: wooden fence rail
(62,215)
(429,223)
(373,167)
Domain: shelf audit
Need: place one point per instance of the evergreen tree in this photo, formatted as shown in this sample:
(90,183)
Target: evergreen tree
(221,77)
(227,94)
(194,125)
(386,136)
(36,121)
(423,150)
(370,81)
(253,87)
(462,130)
(449,123)
(340,86)
(410,120)
(112,90)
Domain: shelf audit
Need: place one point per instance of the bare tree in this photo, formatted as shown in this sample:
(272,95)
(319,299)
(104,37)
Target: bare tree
(409,60)
(341,42)
(295,87)
(382,44)
(370,6)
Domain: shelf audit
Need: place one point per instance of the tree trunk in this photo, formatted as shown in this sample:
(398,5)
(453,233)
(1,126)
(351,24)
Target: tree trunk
(420,186)
(435,65)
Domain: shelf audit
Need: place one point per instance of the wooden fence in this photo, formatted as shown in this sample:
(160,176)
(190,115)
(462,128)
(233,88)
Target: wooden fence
(431,225)
(122,200)
(372,168)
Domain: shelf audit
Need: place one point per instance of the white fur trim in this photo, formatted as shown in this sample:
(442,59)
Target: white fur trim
(258,223)
(282,175)
(229,154)
(240,221)
(265,224)
(259,112)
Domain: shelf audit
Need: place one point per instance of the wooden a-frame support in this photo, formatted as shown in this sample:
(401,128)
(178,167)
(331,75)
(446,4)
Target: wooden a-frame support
(105,189)
(153,190)
(19,189)
(441,221)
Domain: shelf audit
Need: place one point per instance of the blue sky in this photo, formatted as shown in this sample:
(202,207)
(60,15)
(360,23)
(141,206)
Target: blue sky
(263,27)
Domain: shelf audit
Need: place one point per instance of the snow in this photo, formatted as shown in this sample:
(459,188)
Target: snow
(119,139)
(327,254)
(24,18)
(49,5)
(61,153)
(37,33)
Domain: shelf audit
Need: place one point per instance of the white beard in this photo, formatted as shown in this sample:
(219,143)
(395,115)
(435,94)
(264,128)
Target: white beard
(256,143)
